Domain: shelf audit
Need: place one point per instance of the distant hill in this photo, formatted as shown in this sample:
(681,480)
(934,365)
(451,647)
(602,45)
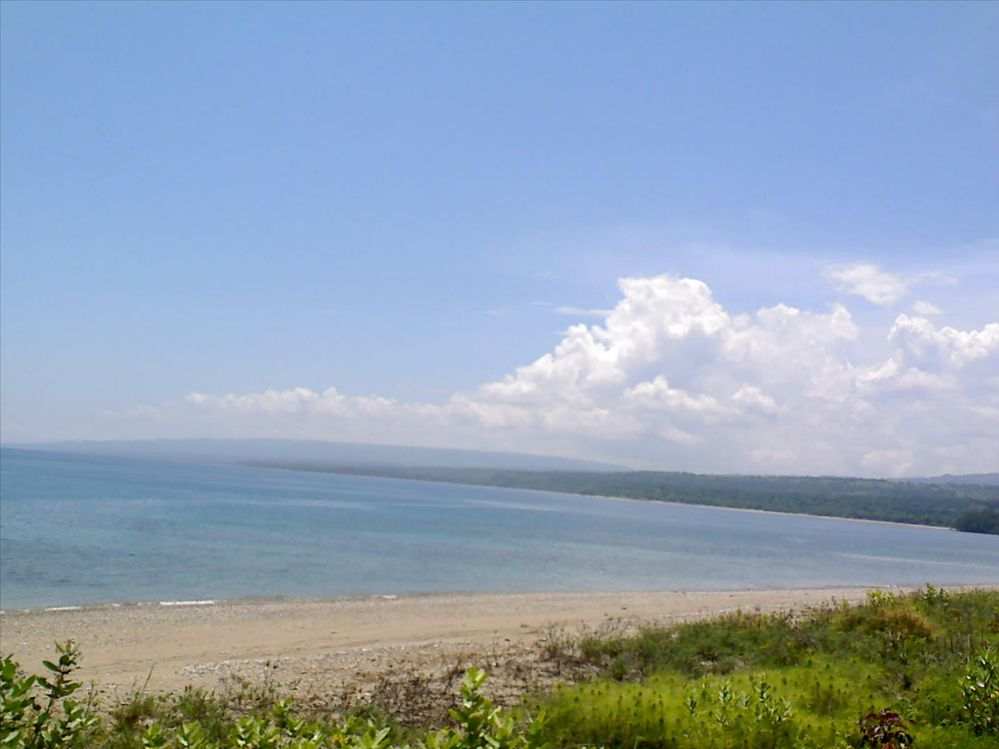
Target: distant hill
(976,479)
(315,451)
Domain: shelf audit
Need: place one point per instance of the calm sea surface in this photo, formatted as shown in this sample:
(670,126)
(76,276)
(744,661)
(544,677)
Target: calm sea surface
(78,530)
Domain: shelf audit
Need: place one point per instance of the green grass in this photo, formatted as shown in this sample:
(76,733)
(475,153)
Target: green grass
(672,687)
(801,706)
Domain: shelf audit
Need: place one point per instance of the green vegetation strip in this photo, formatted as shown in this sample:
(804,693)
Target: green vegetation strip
(898,671)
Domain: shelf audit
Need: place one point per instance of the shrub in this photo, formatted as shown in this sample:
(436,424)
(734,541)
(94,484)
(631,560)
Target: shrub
(884,730)
(481,725)
(38,712)
(981,694)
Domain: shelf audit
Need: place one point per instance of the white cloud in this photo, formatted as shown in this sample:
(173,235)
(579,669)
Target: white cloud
(772,458)
(954,348)
(276,402)
(657,394)
(581,312)
(753,397)
(888,462)
(885,289)
(870,282)
(669,378)
(893,376)
(926,309)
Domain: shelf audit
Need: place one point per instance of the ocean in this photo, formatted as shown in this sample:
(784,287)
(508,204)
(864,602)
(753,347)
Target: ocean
(78,530)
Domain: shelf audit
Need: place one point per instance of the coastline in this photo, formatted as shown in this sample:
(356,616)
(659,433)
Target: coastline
(615,497)
(314,645)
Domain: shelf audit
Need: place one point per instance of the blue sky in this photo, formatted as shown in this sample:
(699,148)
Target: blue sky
(410,201)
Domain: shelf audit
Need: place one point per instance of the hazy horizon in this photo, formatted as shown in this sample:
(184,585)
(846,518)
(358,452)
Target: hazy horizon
(696,237)
(296,453)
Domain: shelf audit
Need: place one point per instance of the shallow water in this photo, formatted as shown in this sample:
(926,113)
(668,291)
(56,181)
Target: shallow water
(81,530)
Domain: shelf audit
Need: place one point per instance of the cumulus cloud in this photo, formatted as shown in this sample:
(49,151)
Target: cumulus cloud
(870,282)
(671,379)
(885,289)
(945,346)
(926,309)
(657,394)
(753,397)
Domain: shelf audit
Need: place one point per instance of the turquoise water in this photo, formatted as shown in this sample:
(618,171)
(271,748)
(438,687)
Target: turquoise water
(84,530)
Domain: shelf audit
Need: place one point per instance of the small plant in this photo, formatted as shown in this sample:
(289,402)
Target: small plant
(980,691)
(934,596)
(38,712)
(769,708)
(481,725)
(881,598)
(884,730)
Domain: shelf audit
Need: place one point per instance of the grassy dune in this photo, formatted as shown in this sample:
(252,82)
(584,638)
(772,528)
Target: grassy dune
(754,680)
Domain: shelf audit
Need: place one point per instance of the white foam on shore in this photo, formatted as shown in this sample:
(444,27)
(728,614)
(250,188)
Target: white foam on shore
(210,602)
(63,608)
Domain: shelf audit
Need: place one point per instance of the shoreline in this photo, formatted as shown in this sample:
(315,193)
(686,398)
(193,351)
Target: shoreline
(155,604)
(315,646)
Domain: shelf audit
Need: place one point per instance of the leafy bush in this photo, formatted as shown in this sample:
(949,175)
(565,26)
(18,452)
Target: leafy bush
(981,694)
(884,730)
(38,712)
(480,724)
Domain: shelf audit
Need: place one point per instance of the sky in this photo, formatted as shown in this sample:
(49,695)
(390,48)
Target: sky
(714,237)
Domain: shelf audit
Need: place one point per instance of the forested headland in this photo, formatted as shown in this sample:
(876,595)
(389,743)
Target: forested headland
(967,507)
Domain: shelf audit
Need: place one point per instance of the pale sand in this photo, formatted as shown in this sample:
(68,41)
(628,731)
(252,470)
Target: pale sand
(305,645)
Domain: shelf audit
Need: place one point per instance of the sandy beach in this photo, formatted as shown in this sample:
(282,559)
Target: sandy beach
(308,646)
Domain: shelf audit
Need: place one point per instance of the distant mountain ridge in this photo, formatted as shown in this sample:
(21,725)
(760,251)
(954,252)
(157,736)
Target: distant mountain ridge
(317,451)
(975,479)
